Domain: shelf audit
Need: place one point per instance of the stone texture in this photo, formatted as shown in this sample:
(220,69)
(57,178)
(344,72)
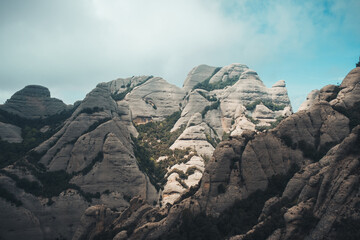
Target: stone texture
(196,75)
(37,220)
(310,99)
(173,189)
(155,99)
(320,141)
(193,104)
(118,171)
(232,71)
(93,221)
(194,137)
(10,133)
(33,101)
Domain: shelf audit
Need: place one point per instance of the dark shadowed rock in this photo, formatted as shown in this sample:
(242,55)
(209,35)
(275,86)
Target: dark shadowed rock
(33,101)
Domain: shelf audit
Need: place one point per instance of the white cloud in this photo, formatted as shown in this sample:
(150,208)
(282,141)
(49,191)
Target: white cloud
(70,46)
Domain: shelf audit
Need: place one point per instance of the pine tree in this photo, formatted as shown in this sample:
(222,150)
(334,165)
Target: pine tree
(358,64)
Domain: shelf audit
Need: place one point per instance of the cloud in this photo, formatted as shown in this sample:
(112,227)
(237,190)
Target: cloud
(70,46)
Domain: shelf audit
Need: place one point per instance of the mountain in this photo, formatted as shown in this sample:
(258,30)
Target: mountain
(131,137)
(299,180)
(33,101)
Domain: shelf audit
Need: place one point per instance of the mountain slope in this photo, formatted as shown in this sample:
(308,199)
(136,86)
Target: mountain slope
(137,136)
(297,181)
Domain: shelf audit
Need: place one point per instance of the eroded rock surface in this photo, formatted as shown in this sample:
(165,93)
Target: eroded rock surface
(10,133)
(320,201)
(33,101)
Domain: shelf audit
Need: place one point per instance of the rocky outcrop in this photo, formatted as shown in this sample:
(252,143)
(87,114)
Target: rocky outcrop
(149,98)
(319,202)
(93,150)
(93,222)
(10,133)
(95,153)
(33,102)
(95,146)
(232,71)
(228,102)
(198,74)
(244,89)
(310,99)
(36,217)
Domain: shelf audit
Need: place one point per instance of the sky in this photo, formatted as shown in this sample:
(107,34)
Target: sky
(71,46)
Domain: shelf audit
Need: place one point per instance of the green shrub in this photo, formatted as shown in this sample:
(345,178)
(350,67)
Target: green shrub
(181,174)
(269,104)
(209,98)
(99,157)
(120,96)
(211,107)
(191,170)
(182,183)
(91,110)
(154,141)
(32,137)
(237,219)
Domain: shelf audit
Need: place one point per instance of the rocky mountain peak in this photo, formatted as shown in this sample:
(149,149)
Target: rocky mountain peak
(33,91)
(198,74)
(280,83)
(33,101)
(299,180)
(232,71)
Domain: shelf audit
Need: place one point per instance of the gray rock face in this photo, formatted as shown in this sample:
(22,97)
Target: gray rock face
(10,133)
(323,195)
(196,75)
(35,219)
(310,99)
(93,221)
(117,172)
(33,101)
(96,138)
(94,145)
(248,89)
(155,99)
(223,110)
(232,71)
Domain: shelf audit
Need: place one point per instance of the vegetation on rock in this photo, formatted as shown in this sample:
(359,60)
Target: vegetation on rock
(120,96)
(239,218)
(154,141)
(31,134)
(269,104)
(213,106)
(206,85)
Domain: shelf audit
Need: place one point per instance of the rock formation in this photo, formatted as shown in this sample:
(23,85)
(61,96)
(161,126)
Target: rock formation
(226,101)
(296,181)
(10,133)
(33,101)
(310,99)
(94,156)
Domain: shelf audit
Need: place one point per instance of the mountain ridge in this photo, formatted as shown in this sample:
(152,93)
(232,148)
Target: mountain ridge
(111,128)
